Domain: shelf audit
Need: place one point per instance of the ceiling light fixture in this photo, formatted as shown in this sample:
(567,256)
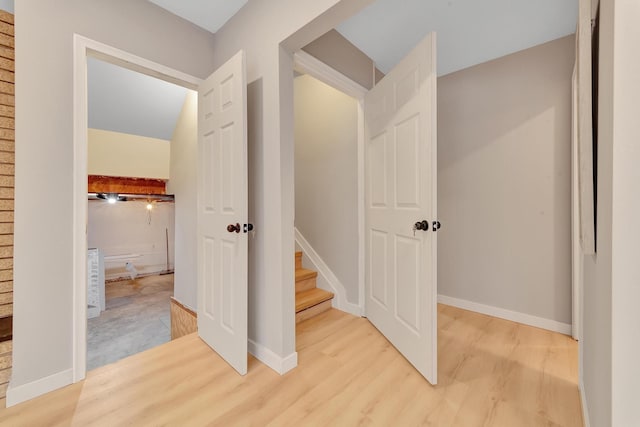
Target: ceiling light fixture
(111,198)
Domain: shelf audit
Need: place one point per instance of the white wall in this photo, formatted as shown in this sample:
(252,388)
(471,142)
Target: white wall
(326,176)
(125,155)
(259,29)
(504,175)
(611,337)
(43,296)
(126,228)
(182,183)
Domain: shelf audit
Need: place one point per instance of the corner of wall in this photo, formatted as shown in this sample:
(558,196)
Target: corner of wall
(281,365)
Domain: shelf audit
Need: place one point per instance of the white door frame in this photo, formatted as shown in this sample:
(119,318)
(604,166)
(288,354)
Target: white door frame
(83,47)
(576,247)
(307,64)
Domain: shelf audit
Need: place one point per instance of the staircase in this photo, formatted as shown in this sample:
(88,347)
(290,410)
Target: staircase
(310,300)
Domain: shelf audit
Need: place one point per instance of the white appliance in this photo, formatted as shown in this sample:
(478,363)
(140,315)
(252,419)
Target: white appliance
(95,283)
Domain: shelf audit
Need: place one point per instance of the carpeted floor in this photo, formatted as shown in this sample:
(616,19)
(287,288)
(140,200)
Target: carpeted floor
(137,318)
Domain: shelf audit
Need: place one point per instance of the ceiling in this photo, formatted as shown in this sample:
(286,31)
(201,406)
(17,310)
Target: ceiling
(122,100)
(469,32)
(6,5)
(208,14)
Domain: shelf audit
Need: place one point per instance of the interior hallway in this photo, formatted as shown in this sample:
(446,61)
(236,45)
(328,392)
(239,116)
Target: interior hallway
(492,372)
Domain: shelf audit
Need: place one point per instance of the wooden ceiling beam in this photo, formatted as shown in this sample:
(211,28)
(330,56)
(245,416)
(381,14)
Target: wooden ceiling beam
(115,184)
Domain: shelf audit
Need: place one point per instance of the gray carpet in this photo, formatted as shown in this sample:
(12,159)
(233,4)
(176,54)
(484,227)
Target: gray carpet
(137,318)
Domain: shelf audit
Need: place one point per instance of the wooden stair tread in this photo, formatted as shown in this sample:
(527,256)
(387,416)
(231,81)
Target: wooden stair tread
(312,297)
(304,274)
(298,254)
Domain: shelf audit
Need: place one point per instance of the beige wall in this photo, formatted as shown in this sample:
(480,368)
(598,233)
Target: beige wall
(597,323)
(121,154)
(182,183)
(611,341)
(597,294)
(504,171)
(326,177)
(44,157)
(625,233)
(340,54)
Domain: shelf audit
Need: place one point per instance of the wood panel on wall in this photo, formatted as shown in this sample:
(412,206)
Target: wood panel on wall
(184,321)
(7,171)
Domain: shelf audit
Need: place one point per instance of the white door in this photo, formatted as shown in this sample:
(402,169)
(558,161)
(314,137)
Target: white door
(400,179)
(222,203)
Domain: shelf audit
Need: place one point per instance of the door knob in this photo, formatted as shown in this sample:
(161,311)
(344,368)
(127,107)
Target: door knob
(231,228)
(421,225)
(436,225)
(247,227)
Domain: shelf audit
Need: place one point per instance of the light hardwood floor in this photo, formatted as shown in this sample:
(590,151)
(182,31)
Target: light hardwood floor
(491,373)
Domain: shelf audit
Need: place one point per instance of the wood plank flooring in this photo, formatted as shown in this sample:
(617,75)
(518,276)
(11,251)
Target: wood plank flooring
(491,373)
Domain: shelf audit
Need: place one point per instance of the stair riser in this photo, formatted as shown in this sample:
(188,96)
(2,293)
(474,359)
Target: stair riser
(313,311)
(305,285)
(298,261)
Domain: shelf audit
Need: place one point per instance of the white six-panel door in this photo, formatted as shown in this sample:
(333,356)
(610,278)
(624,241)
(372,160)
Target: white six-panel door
(222,201)
(400,182)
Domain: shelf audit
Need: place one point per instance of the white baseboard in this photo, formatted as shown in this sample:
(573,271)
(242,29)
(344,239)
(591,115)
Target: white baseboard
(289,362)
(39,387)
(583,398)
(281,365)
(326,279)
(114,277)
(514,316)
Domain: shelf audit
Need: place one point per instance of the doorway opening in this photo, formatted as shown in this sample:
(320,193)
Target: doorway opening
(326,195)
(135,123)
(329,189)
(128,202)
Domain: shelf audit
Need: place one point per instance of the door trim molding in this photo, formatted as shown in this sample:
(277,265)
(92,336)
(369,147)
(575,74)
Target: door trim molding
(583,399)
(308,64)
(576,247)
(83,47)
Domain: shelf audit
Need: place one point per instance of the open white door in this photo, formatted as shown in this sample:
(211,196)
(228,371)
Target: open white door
(222,204)
(400,180)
